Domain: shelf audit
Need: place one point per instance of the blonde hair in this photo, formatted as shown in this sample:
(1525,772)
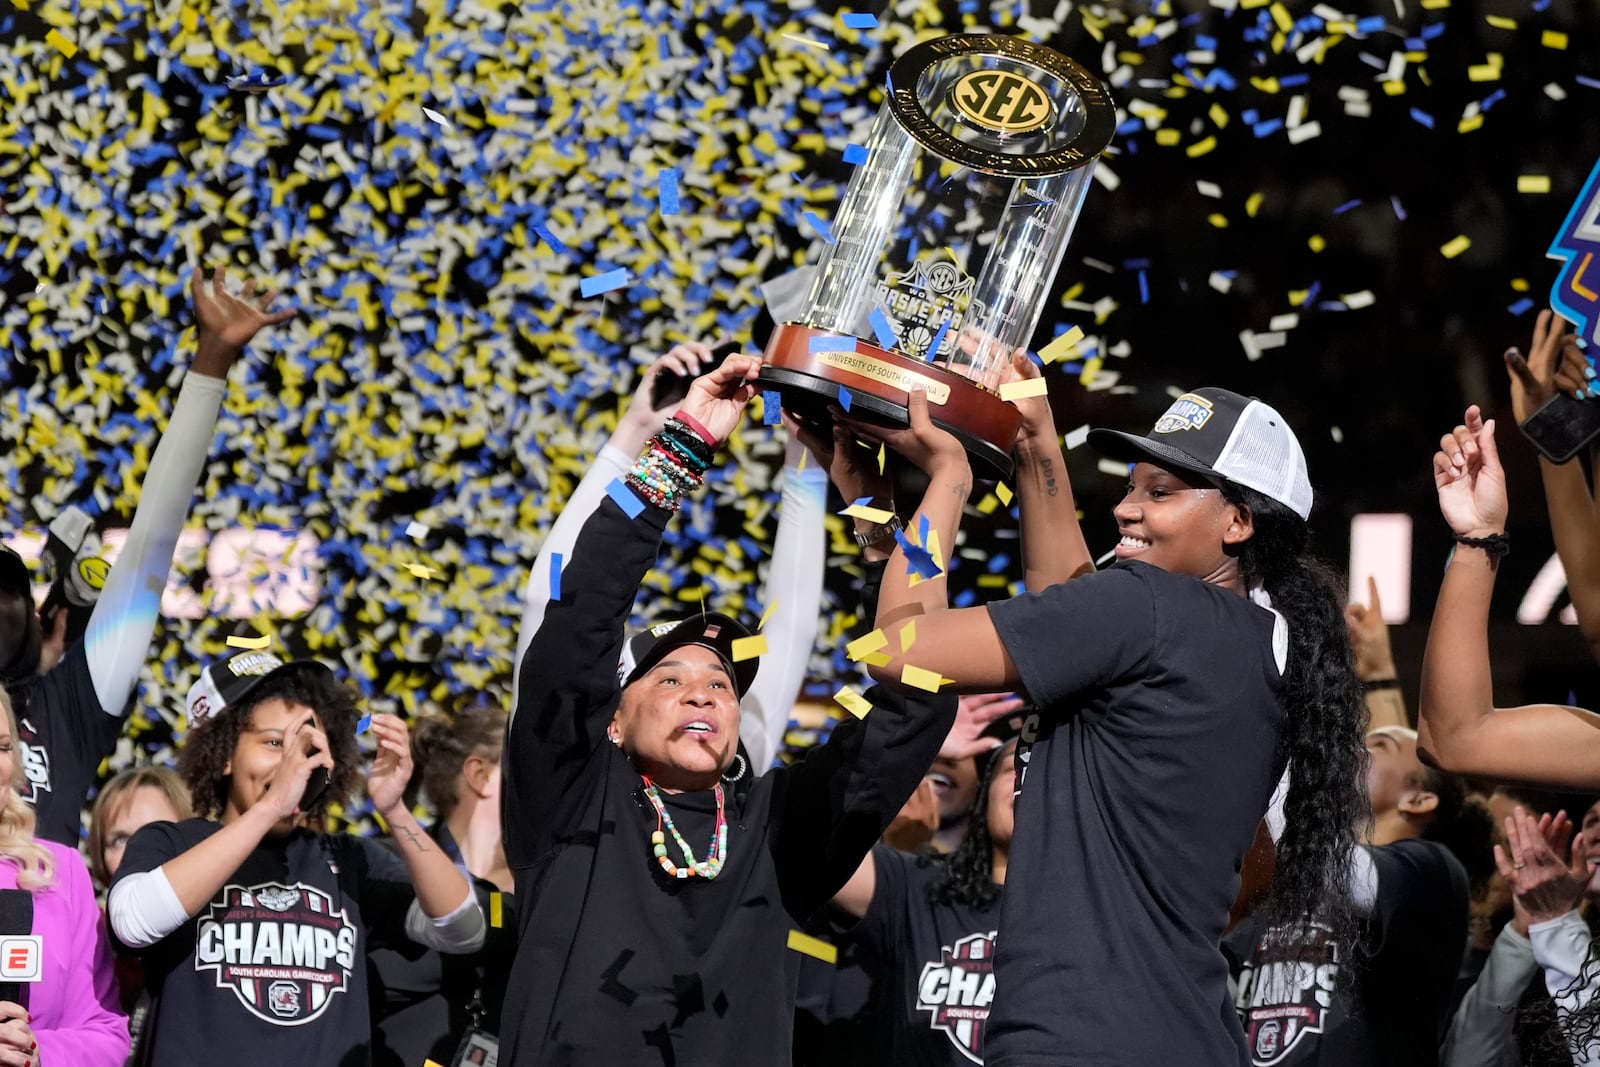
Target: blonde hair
(37,866)
(114,797)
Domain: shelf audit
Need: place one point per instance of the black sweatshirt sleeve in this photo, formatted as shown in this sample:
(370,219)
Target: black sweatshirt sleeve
(568,688)
(831,808)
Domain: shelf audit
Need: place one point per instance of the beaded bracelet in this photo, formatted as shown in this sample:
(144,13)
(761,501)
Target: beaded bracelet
(1497,545)
(688,437)
(662,476)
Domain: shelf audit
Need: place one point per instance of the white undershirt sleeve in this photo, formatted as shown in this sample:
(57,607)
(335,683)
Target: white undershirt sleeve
(143,908)
(460,932)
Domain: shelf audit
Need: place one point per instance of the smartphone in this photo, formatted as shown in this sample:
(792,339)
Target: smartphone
(1562,426)
(316,785)
(669,388)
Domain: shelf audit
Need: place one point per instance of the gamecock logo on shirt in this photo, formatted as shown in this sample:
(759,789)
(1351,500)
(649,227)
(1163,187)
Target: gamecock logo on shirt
(284,950)
(957,991)
(1285,990)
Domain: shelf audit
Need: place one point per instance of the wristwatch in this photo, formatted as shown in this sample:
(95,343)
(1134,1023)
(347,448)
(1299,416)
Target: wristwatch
(882,531)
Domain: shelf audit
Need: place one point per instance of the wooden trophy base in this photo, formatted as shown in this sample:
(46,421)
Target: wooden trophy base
(880,383)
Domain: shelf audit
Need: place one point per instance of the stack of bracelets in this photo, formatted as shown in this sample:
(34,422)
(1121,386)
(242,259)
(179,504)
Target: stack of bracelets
(672,465)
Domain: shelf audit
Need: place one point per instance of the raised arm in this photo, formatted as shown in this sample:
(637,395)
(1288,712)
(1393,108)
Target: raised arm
(794,589)
(638,422)
(117,639)
(1053,548)
(1369,637)
(1459,728)
(1555,362)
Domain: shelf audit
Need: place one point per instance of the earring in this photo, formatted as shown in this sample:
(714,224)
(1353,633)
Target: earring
(743,764)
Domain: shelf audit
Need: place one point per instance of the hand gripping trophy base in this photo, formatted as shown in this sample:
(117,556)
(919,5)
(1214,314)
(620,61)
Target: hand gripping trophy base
(879,382)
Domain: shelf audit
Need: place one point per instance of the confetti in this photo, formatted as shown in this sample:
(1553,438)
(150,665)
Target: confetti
(771,408)
(555,576)
(62,43)
(1455,246)
(845,396)
(256,643)
(625,497)
(1553,39)
(751,647)
(497,912)
(908,635)
(1533,183)
(1062,346)
(824,343)
(256,82)
(422,571)
(668,191)
(1002,492)
(417,531)
(864,646)
(819,224)
(435,117)
(596,284)
(918,559)
(854,153)
(883,328)
(1026,387)
(863,509)
(363,724)
(922,678)
(852,701)
(1077,438)
(860,20)
(767,615)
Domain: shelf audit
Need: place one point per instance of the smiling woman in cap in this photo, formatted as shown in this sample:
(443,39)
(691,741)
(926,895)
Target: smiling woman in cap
(252,925)
(1173,689)
(659,876)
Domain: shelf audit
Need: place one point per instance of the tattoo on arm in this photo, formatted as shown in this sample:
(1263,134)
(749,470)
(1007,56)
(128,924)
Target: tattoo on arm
(1047,471)
(962,490)
(414,839)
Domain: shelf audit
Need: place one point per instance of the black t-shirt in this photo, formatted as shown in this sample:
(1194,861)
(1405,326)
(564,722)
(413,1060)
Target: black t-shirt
(64,734)
(273,970)
(942,960)
(1141,784)
(1395,1009)
(618,964)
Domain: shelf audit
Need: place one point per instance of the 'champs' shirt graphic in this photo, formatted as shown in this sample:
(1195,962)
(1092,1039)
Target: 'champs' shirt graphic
(1286,992)
(957,989)
(35,763)
(284,950)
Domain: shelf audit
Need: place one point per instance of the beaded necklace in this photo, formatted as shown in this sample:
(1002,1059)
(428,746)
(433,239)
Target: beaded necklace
(708,868)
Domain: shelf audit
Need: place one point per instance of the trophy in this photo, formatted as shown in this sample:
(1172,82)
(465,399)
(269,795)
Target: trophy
(947,239)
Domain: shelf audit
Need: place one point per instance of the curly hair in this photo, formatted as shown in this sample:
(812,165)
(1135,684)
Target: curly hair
(1461,823)
(36,865)
(203,760)
(966,876)
(441,745)
(1323,737)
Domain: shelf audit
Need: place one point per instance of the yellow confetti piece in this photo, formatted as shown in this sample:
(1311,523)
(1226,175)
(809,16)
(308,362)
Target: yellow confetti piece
(749,647)
(1317,242)
(1219,116)
(420,570)
(883,455)
(922,678)
(1003,492)
(767,615)
(254,643)
(1168,137)
(1500,22)
(1025,388)
(1553,39)
(813,946)
(862,646)
(852,701)
(1454,247)
(871,514)
(1062,346)
(1201,147)
(1519,285)
(497,910)
(431,1063)
(908,635)
(987,505)
(1533,183)
(1218,220)
(62,43)
(1253,205)
(1483,72)
(1281,16)
(1091,370)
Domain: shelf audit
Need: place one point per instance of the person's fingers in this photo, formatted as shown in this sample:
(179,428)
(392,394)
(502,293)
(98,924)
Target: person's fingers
(1519,370)
(197,285)
(1450,448)
(1514,838)
(1489,447)
(1541,327)
(249,291)
(917,409)
(1502,864)
(1374,601)
(1354,614)
(1444,472)
(219,280)
(283,316)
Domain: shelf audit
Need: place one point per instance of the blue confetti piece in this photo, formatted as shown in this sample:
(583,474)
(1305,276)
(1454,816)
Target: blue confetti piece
(1371,24)
(922,529)
(555,576)
(669,191)
(1292,81)
(1348,205)
(1399,211)
(549,238)
(1267,128)
(819,224)
(771,408)
(845,399)
(1521,307)
(825,343)
(626,499)
(1592,83)
(363,724)
(918,559)
(938,340)
(856,20)
(1144,288)
(1422,117)
(883,328)
(854,153)
(604,283)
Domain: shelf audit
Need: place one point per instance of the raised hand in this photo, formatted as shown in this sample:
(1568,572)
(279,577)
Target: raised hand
(1470,479)
(1369,636)
(1037,419)
(851,468)
(305,748)
(228,322)
(717,400)
(1543,885)
(391,770)
(685,360)
(1554,361)
(922,443)
(975,713)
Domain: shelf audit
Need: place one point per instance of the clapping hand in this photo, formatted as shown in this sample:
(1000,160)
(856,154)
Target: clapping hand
(1543,885)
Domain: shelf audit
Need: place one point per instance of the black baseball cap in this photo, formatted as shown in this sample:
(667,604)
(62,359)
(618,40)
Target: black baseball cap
(1218,433)
(717,632)
(228,682)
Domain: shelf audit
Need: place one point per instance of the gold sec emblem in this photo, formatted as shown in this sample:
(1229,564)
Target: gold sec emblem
(1002,101)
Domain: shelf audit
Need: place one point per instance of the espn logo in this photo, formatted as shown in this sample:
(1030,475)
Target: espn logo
(21,958)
